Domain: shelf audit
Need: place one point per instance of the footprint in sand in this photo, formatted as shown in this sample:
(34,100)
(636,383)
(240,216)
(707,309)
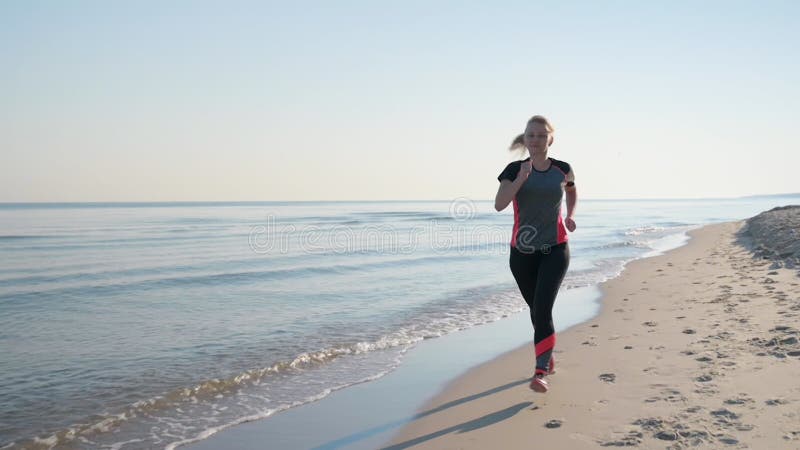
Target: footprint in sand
(704,378)
(776,402)
(650,424)
(672,395)
(554,423)
(792,435)
(730,440)
(742,399)
(725,413)
(666,435)
(607,377)
(706,391)
(673,430)
(632,439)
(650,324)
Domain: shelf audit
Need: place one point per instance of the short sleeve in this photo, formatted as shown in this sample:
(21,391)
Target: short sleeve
(562,166)
(510,172)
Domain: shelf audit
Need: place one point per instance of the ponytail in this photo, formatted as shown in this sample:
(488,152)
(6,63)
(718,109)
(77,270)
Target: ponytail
(516,143)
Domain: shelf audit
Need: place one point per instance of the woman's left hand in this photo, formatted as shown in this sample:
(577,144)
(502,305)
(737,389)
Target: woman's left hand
(570,224)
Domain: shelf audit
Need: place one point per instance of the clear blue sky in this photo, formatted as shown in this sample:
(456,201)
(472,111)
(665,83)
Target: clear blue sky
(194,100)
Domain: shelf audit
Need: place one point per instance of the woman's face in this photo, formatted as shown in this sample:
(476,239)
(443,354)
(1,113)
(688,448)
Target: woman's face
(536,138)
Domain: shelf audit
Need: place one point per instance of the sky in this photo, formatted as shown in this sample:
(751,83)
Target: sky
(412,100)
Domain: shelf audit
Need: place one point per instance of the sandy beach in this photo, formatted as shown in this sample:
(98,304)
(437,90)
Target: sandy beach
(696,348)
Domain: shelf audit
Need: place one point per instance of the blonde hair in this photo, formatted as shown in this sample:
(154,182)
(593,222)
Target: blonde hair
(518,143)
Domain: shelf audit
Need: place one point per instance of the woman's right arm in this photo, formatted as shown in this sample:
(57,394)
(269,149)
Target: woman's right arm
(508,189)
(506,192)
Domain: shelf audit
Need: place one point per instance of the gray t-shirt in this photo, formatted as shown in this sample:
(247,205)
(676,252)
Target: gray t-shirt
(538,224)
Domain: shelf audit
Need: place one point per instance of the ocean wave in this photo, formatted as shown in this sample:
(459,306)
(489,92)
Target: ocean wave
(395,213)
(601,271)
(428,322)
(669,224)
(419,215)
(82,243)
(646,229)
(226,278)
(17,237)
(658,228)
(619,244)
(205,391)
(313,220)
(85,272)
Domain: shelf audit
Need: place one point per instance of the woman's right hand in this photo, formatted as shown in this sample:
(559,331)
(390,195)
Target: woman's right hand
(524,170)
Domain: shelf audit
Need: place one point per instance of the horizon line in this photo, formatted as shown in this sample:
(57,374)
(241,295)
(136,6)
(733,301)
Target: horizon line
(134,202)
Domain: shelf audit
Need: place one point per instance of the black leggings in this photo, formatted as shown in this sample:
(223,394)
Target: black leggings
(539,275)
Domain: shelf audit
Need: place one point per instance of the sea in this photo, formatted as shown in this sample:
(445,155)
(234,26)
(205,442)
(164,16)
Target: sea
(152,325)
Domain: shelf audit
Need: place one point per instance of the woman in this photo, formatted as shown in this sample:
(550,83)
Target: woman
(539,254)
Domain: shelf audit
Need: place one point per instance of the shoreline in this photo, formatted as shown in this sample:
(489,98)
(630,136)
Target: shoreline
(424,373)
(656,367)
(366,415)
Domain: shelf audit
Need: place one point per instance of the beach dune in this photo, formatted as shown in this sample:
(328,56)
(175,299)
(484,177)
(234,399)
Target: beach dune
(696,348)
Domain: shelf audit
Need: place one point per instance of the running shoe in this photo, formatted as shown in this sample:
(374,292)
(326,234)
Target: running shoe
(539,384)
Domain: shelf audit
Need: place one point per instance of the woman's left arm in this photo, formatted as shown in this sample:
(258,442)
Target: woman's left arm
(572,199)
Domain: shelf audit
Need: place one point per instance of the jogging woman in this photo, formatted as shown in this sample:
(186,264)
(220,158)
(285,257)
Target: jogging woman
(539,254)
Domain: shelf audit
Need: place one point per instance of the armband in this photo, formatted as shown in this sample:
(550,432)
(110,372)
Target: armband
(570,186)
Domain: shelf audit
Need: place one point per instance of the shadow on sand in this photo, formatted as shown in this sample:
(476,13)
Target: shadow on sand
(480,422)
